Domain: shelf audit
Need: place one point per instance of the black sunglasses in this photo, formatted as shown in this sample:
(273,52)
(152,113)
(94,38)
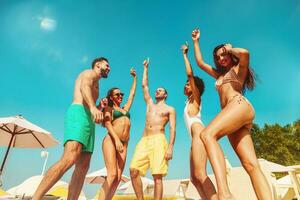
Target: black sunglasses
(119,94)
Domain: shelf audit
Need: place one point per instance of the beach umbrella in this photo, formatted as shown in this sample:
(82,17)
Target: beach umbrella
(29,186)
(18,132)
(99,176)
(146,181)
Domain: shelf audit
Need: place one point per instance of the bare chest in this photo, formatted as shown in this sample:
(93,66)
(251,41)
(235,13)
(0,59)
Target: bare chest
(157,113)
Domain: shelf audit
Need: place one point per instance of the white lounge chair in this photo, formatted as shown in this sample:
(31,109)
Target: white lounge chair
(281,190)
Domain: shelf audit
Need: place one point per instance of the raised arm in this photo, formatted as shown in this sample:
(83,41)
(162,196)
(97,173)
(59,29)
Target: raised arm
(88,78)
(172,118)
(107,123)
(132,90)
(190,74)
(206,67)
(242,54)
(147,96)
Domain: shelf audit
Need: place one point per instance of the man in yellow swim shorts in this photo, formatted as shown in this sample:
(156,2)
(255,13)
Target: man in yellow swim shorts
(79,133)
(152,151)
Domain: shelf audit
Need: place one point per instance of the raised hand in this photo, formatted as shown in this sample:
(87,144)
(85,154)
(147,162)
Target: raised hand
(228,47)
(133,72)
(146,63)
(185,48)
(196,34)
(103,103)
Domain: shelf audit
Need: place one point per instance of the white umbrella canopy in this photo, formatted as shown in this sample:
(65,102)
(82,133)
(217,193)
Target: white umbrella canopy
(99,176)
(23,134)
(29,186)
(17,132)
(145,181)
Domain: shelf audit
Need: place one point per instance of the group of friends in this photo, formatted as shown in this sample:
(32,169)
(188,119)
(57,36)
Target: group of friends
(233,77)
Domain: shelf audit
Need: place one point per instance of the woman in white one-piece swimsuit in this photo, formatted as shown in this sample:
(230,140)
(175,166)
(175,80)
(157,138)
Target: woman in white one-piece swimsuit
(193,89)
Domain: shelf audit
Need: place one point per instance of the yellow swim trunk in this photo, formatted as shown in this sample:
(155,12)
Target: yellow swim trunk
(150,152)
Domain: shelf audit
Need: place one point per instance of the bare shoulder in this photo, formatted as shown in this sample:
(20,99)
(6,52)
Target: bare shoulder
(88,74)
(150,103)
(171,109)
(195,103)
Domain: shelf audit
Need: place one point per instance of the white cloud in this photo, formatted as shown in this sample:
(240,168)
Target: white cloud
(48,24)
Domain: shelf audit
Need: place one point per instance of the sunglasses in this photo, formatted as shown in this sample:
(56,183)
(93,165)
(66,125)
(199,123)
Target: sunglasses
(159,90)
(119,94)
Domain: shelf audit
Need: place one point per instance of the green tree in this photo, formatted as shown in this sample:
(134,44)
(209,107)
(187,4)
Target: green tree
(294,141)
(278,144)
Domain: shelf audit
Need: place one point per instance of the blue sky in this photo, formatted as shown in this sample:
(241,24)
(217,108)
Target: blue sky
(45,44)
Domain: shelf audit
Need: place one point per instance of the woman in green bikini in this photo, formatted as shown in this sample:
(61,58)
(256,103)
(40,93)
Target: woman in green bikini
(114,146)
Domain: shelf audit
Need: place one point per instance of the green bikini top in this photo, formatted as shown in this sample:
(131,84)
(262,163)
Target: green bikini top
(117,114)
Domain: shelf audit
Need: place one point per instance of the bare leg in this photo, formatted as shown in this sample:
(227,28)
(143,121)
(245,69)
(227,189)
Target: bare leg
(81,168)
(242,144)
(158,186)
(198,161)
(121,159)
(137,183)
(110,158)
(234,116)
(71,153)
(196,182)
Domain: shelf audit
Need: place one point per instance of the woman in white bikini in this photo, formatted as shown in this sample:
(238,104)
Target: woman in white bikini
(193,89)
(233,76)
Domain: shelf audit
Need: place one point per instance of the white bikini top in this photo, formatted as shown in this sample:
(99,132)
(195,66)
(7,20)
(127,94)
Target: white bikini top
(186,114)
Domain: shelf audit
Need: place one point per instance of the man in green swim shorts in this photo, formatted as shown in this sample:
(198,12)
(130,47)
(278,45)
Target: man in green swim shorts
(79,133)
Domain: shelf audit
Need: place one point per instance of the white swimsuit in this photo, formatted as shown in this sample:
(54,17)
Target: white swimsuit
(190,120)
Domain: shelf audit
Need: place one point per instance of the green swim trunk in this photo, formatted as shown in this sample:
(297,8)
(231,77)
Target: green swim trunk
(80,127)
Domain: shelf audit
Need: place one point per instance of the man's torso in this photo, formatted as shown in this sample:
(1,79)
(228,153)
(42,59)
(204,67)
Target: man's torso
(157,116)
(78,96)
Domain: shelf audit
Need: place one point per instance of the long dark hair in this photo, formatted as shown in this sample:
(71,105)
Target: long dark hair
(199,84)
(109,93)
(250,80)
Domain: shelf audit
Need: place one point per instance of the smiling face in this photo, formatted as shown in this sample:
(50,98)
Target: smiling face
(116,96)
(223,58)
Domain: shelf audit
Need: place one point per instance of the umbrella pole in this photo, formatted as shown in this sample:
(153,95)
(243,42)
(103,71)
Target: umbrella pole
(5,157)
